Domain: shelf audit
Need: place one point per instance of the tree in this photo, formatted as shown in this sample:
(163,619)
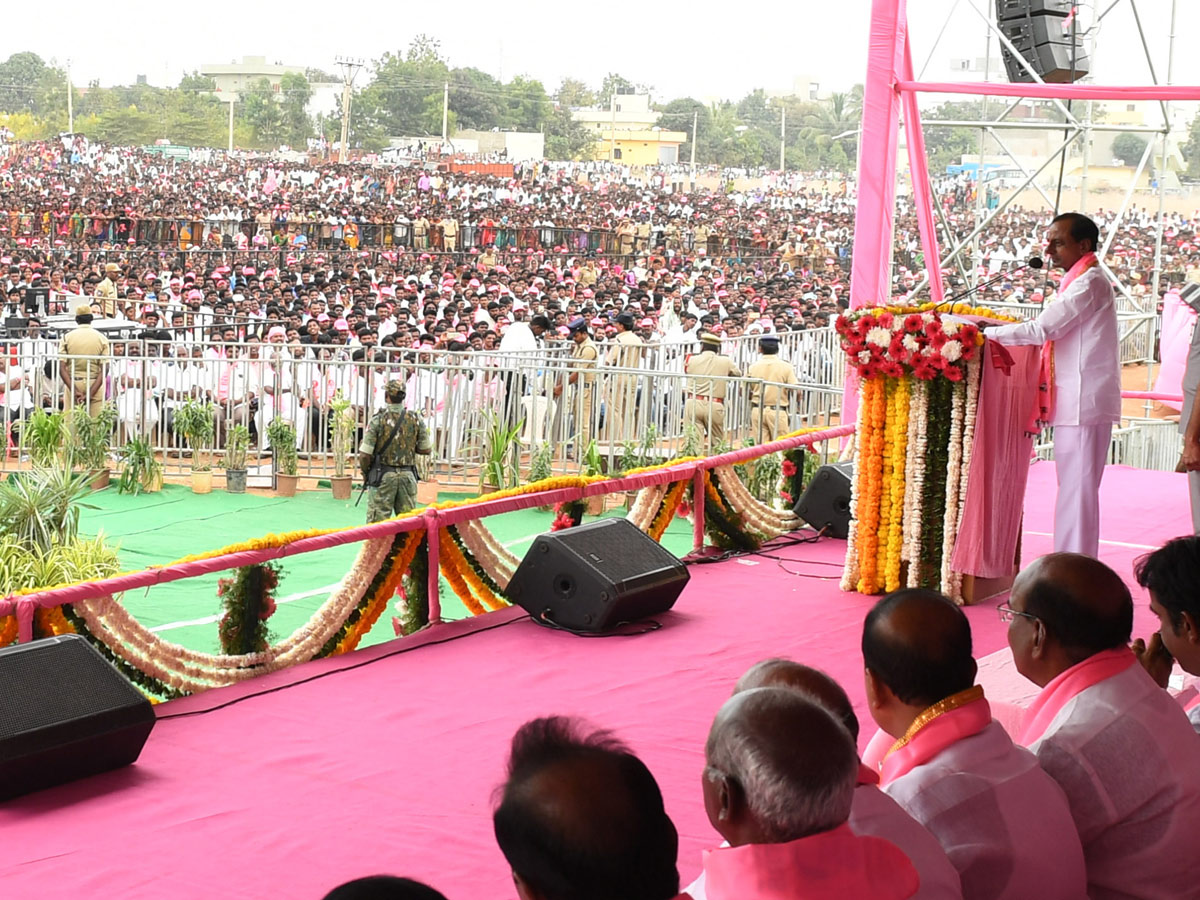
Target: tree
(260,109)
(528,105)
(574,93)
(295,92)
(197,82)
(565,137)
(947,146)
(477,99)
(678,115)
(614,84)
(1129,147)
(835,123)
(320,76)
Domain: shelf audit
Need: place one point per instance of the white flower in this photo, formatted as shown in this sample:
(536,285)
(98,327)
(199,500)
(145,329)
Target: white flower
(952,350)
(927,318)
(864,356)
(951,326)
(911,344)
(879,336)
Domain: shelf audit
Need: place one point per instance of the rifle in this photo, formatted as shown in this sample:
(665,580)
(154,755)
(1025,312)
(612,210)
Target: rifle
(374,475)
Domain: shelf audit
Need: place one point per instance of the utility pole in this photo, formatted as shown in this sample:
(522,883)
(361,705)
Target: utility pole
(70,102)
(782,136)
(612,128)
(695,121)
(350,69)
(445,112)
(231,102)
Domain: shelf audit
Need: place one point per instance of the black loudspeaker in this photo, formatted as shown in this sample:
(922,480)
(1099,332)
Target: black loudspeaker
(1042,35)
(825,503)
(596,576)
(65,713)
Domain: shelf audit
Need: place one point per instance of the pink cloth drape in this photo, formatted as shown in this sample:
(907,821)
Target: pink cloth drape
(1177,321)
(944,731)
(871,272)
(922,192)
(991,519)
(1062,689)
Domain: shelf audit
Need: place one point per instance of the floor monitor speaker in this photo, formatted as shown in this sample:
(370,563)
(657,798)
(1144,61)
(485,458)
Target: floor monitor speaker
(825,503)
(595,577)
(65,713)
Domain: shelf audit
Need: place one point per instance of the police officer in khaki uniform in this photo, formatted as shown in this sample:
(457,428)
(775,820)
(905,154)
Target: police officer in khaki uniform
(397,436)
(106,290)
(626,352)
(584,357)
(769,412)
(82,355)
(706,395)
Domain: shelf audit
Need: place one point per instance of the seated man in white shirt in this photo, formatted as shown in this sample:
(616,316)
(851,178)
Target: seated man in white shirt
(1121,748)
(779,782)
(1003,822)
(1171,574)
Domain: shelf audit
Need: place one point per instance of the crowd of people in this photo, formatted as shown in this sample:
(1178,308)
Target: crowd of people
(1098,795)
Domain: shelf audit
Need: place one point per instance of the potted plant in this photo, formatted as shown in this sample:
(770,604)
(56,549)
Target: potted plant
(89,448)
(237,444)
(629,459)
(593,465)
(541,466)
(45,435)
(344,424)
(282,435)
(140,469)
(501,454)
(196,420)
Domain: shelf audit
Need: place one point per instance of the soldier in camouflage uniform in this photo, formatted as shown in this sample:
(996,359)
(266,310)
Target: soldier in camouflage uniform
(397,490)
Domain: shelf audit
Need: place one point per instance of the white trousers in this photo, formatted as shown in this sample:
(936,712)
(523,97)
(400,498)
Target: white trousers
(1080,452)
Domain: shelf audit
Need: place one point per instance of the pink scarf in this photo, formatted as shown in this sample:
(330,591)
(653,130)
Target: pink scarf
(1085,262)
(1059,692)
(942,725)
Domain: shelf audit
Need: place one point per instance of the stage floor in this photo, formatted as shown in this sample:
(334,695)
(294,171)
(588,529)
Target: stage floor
(387,760)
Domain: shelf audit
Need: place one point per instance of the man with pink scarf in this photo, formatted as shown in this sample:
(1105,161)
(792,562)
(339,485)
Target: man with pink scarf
(1121,748)
(778,786)
(1003,821)
(1083,359)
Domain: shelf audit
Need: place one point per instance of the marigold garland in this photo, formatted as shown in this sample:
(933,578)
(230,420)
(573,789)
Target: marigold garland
(452,566)
(898,488)
(888,481)
(871,479)
(485,587)
(666,511)
(8,631)
(377,602)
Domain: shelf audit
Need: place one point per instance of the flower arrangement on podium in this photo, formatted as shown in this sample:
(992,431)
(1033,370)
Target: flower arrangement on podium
(919,369)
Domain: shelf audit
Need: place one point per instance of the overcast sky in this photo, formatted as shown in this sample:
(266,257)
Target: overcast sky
(704,49)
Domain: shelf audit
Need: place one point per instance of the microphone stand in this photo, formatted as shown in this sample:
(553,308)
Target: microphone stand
(969,291)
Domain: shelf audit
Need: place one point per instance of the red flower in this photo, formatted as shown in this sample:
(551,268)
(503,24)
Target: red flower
(937,361)
(789,469)
(934,327)
(786,497)
(953,373)
(914,324)
(893,369)
(561,522)
(886,319)
(684,510)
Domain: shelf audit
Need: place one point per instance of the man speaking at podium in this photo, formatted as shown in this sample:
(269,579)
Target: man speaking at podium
(1080,329)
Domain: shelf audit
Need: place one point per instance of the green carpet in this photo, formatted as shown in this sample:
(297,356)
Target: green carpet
(153,529)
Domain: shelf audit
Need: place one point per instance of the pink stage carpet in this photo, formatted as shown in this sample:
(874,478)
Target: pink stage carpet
(387,762)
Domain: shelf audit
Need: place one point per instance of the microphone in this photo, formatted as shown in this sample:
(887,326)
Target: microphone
(1034,262)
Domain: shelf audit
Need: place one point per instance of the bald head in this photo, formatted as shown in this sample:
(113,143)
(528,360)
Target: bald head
(918,644)
(783,767)
(1083,604)
(813,683)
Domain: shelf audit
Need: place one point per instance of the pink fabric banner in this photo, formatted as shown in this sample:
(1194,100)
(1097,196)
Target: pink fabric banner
(871,272)
(1056,91)
(991,519)
(1178,319)
(918,166)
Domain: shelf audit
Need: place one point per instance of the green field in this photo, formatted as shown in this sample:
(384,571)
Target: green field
(153,529)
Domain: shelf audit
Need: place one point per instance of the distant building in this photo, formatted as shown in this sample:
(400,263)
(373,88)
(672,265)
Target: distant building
(627,131)
(234,77)
(517,146)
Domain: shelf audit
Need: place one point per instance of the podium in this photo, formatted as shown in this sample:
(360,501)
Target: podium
(946,423)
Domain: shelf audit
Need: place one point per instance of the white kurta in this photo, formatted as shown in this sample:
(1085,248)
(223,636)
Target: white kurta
(1003,822)
(1082,323)
(876,814)
(1127,758)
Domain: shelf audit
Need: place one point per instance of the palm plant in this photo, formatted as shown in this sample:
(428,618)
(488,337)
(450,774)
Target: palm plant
(196,420)
(91,436)
(139,467)
(501,452)
(45,436)
(22,567)
(41,508)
